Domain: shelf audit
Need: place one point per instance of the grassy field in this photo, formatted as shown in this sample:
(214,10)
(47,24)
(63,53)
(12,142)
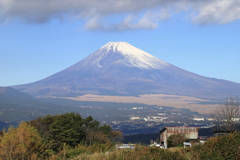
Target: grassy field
(139,153)
(191,103)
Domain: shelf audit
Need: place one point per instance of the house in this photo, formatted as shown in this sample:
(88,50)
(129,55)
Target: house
(191,133)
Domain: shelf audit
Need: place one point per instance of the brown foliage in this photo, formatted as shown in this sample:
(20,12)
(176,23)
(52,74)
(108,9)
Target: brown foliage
(20,143)
(96,137)
(116,136)
(138,153)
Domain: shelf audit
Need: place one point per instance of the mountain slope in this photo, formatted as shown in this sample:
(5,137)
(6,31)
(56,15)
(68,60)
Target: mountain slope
(119,68)
(12,92)
(18,106)
(121,54)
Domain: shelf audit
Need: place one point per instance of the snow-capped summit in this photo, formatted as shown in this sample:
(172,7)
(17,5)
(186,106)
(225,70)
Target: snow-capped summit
(119,68)
(121,54)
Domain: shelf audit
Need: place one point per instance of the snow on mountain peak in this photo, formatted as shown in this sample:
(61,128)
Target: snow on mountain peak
(114,46)
(125,54)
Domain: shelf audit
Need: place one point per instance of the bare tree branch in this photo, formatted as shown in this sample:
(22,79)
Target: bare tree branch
(227,115)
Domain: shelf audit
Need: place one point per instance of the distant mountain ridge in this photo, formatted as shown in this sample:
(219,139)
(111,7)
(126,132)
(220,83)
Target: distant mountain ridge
(18,106)
(119,68)
(14,93)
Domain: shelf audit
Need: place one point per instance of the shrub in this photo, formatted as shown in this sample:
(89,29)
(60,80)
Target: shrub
(175,140)
(140,152)
(23,142)
(71,129)
(224,147)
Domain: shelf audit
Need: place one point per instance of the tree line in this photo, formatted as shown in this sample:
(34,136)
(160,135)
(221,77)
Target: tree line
(52,134)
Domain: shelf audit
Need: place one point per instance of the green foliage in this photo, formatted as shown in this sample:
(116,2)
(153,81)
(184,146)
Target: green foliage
(224,147)
(220,148)
(105,129)
(70,130)
(139,153)
(175,140)
(90,123)
(67,128)
(24,142)
(56,136)
(70,152)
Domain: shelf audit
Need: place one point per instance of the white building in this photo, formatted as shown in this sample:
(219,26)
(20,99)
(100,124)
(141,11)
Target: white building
(135,118)
(198,119)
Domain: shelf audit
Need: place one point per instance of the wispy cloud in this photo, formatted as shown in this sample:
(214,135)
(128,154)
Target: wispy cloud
(141,14)
(149,20)
(218,12)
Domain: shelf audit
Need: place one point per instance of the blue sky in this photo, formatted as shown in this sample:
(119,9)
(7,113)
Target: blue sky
(39,38)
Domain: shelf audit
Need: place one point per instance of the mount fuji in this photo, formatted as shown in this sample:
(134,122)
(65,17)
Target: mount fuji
(119,68)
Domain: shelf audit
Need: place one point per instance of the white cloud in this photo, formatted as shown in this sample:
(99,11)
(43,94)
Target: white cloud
(218,12)
(95,11)
(93,24)
(149,20)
